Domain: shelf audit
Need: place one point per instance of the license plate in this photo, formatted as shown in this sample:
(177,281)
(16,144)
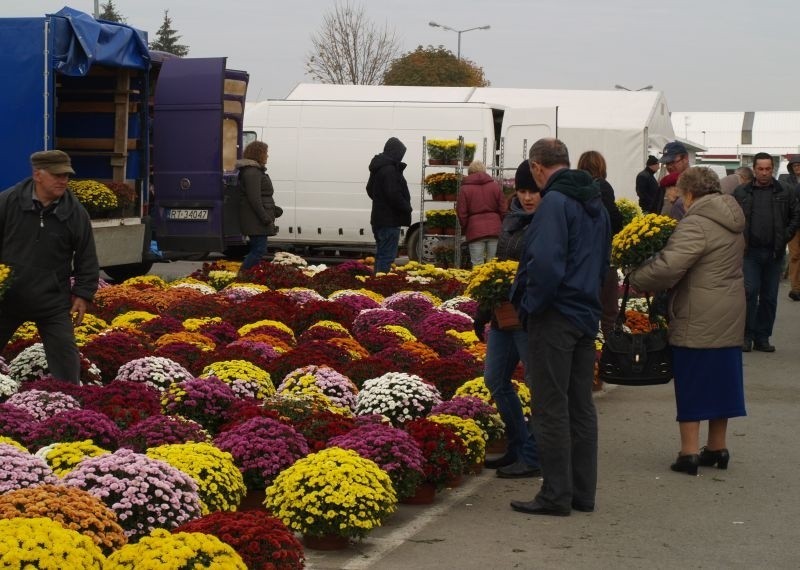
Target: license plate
(184,214)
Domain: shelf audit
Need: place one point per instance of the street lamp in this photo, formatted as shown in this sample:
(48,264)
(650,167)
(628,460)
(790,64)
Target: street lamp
(459,32)
(645,88)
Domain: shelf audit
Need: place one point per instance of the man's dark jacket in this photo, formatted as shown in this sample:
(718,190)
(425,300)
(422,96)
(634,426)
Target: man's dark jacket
(391,201)
(567,252)
(42,247)
(785,212)
(648,191)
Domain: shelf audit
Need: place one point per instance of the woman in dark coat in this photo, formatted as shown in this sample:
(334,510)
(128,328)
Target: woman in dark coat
(593,162)
(256,205)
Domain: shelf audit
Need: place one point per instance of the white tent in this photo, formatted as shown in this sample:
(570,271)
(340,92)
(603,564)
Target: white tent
(625,126)
(730,136)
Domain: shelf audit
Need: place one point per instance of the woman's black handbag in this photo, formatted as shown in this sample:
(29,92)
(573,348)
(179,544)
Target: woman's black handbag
(642,359)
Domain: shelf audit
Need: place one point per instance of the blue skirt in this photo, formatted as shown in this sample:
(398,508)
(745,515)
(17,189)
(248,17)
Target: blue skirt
(709,383)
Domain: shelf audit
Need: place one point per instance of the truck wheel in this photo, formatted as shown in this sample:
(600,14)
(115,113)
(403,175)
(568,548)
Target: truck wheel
(120,273)
(412,245)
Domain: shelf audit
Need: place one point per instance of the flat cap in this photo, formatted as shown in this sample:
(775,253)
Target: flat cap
(53,161)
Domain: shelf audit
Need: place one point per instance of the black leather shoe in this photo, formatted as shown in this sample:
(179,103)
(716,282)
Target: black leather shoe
(747,346)
(501,461)
(686,464)
(763,347)
(582,507)
(794,295)
(518,470)
(720,458)
(534,508)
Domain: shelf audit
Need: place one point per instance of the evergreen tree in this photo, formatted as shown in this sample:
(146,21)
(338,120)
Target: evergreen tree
(110,13)
(167,39)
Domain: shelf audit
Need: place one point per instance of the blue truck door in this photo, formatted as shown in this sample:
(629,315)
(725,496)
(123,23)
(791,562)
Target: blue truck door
(187,157)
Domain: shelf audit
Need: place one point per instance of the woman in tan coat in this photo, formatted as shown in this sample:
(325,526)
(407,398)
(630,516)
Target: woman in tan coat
(701,265)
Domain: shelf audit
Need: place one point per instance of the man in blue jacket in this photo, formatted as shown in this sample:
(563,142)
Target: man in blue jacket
(46,238)
(557,292)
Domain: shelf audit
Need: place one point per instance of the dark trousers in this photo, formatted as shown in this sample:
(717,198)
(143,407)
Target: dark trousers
(258,249)
(58,338)
(762,276)
(387,242)
(564,416)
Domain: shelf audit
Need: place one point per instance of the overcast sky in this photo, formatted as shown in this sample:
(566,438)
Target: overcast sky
(705,55)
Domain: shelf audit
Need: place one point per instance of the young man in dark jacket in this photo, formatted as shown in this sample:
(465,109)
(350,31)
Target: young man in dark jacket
(46,239)
(391,202)
(557,291)
(647,188)
(772,218)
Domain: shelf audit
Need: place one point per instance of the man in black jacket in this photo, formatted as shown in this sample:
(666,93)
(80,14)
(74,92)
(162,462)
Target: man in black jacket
(391,202)
(772,217)
(792,181)
(647,187)
(47,239)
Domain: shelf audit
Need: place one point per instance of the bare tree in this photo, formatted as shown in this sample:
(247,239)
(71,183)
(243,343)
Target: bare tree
(349,49)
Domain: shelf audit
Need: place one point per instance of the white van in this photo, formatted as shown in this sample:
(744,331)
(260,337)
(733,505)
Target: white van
(319,153)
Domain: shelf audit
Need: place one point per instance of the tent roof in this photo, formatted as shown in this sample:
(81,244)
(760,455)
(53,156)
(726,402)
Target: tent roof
(576,108)
(721,132)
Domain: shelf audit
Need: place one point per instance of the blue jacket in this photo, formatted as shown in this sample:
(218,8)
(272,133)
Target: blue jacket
(567,252)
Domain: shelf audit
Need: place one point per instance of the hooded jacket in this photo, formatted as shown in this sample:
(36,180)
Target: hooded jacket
(256,203)
(481,206)
(44,249)
(567,252)
(387,187)
(702,264)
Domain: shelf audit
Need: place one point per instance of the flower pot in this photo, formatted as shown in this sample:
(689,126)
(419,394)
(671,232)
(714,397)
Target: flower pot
(497,446)
(424,495)
(454,481)
(475,469)
(436,230)
(449,198)
(435,161)
(506,316)
(253,500)
(326,542)
(449,231)
(452,162)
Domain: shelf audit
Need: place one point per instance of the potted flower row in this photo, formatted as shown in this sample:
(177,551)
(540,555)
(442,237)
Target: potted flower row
(442,186)
(441,221)
(116,199)
(442,151)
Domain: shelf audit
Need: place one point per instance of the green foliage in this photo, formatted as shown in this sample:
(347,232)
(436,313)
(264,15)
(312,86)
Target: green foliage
(435,67)
(110,13)
(167,39)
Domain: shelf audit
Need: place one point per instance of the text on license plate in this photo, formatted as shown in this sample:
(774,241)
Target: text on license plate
(184,214)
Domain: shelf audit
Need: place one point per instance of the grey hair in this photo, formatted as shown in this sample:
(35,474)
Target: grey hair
(549,153)
(476,166)
(744,172)
(699,181)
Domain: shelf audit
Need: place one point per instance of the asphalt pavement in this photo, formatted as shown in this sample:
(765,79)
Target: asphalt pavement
(646,516)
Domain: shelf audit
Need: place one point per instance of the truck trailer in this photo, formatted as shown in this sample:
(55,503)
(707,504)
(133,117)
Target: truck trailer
(126,115)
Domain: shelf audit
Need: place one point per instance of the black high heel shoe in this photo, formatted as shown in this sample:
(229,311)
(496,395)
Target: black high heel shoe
(720,457)
(686,464)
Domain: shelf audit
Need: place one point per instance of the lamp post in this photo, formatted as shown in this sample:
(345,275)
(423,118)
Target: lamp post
(459,32)
(622,87)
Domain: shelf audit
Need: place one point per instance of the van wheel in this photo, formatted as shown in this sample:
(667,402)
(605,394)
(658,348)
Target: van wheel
(120,273)
(412,245)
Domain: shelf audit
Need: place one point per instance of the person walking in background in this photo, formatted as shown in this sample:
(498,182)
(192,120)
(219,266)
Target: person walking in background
(46,240)
(741,175)
(595,164)
(391,202)
(480,207)
(647,186)
(792,181)
(257,211)
(772,218)
(557,293)
(676,158)
(701,266)
(505,348)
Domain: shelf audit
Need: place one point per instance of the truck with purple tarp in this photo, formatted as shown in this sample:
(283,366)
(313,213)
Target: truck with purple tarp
(168,127)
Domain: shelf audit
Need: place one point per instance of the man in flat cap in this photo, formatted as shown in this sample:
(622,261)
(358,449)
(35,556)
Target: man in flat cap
(46,238)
